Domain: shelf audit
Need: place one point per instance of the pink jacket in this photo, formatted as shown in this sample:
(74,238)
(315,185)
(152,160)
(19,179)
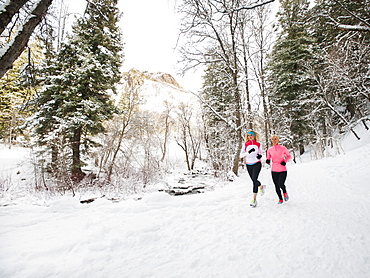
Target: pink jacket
(278,154)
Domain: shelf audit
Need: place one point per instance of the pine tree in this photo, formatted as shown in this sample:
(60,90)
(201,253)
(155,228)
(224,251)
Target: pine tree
(218,107)
(289,82)
(16,88)
(77,101)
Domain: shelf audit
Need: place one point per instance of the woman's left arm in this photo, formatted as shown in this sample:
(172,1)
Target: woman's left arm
(259,151)
(287,155)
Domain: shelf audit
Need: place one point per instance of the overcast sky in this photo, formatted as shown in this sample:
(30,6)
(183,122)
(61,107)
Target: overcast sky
(150,30)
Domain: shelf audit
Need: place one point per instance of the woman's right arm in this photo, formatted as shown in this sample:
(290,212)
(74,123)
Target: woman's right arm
(243,152)
(268,156)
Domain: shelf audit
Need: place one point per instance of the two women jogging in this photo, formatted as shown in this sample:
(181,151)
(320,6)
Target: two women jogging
(277,154)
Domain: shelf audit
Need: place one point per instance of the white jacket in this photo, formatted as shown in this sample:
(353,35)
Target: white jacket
(250,150)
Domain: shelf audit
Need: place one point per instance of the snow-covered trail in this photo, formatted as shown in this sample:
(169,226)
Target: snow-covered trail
(322,231)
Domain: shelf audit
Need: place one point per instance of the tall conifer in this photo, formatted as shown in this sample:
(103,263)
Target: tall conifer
(290,85)
(77,101)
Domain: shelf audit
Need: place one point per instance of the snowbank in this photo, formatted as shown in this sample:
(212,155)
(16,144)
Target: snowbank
(322,231)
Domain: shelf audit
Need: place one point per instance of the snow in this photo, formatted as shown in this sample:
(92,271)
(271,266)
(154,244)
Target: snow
(322,231)
(4,5)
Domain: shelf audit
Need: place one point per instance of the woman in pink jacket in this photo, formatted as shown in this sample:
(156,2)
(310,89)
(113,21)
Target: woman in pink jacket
(279,155)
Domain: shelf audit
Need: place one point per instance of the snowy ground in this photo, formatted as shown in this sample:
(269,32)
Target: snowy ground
(322,231)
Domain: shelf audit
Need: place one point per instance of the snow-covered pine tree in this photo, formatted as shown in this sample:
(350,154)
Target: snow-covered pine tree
(290,85)
(77,101)
(217,109)
(47,121)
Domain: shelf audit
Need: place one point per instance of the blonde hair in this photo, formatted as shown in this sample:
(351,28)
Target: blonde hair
(275,136)
(256,136)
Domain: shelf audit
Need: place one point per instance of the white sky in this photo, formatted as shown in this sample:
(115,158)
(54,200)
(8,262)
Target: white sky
(150,30)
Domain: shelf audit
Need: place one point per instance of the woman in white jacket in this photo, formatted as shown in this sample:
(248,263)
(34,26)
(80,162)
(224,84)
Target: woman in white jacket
(252,152)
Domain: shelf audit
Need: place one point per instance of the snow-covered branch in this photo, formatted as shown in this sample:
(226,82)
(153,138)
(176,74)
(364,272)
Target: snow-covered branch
(229,123)
(252,6)
(357,27)
(353,15)
(360,28)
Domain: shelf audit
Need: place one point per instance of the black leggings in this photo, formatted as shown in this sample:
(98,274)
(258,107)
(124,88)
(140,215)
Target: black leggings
(279,181)
(253,171)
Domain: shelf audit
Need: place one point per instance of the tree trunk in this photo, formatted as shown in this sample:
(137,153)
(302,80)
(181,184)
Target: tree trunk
(54,158)
(122,133)
(9,11)
(166,132)
(15,49)
(77,174)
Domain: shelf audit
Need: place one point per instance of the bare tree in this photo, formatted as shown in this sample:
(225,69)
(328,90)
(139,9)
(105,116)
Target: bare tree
(129,106)
(189,139)
(15,47)
(344,91)
(213,33)
(165,118)
(262,36)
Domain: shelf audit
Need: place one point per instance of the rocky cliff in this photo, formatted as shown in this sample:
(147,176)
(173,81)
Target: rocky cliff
(157,91)
(136,78)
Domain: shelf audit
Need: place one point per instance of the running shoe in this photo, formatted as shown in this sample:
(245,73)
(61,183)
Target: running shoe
(253,203)
(286,197)
(262,190)
(280,202)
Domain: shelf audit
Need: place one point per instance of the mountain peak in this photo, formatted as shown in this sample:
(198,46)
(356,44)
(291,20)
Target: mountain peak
(136,78)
